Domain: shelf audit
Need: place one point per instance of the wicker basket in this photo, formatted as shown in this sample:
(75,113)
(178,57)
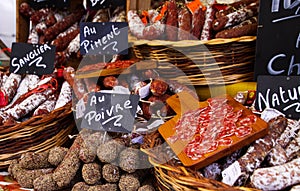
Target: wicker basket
(201,61)
(36,134)
(172,175)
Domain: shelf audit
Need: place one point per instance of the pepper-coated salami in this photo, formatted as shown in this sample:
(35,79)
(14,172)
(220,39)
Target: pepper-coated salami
(184,24)
(31,160)
(172,21)
(68,168)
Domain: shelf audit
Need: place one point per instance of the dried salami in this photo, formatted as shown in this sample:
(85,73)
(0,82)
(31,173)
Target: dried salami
(172,21)
(277,177)
(257,152)
(65,95)
(206,33)
(10,86)
(184,24)
(235,17)
(46,107)
(198,19)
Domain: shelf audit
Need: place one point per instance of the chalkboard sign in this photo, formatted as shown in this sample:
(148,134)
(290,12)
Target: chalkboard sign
(279,92)
(32,58)
(37,4)
(110,112)
(103,38)
(103,4)
(278,38)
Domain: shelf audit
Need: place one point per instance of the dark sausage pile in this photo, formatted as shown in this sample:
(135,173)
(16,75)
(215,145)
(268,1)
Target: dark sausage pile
(115,166)
(175,20)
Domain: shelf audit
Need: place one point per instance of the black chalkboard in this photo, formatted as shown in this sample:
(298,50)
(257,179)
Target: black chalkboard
(37,4)
(32,58)
(103,38)
(278,38)
(103,4)
(110,112)
(279,92)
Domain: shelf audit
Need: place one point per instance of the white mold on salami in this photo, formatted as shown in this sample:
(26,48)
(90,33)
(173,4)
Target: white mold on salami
(277,177)
(65,95)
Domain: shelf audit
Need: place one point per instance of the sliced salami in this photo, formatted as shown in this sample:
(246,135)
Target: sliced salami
(243,131)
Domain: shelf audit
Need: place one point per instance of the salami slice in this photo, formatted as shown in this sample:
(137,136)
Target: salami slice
(243,131)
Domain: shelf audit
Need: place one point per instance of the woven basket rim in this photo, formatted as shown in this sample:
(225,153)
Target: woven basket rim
(189,43)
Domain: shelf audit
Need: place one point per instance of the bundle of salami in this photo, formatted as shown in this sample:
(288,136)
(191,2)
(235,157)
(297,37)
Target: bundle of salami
(61,27)
(176,20)
(95,161)
(24,96)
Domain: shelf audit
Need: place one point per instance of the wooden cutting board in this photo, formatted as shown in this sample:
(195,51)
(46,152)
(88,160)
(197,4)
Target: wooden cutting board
(183,102)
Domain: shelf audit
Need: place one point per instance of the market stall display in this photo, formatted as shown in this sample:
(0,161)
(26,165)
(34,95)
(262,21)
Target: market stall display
(177,141)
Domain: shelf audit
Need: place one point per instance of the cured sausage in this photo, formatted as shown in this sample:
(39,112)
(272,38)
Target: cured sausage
(256,153)
(172,21)
(184,24)
(235,17)
(277,177)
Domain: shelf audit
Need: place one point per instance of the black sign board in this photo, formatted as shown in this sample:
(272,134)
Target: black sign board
(103,38)
(110,112)
(279,92)
(37,4)
(32,58)
(103,4)
(278,38)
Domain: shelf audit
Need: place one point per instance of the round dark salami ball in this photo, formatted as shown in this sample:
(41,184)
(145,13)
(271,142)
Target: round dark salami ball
(129,160)
(110,82)
(158,87)
(111,173)
(80,186)
(109,151)
(146,188)
(129,182)
(104,187)
(91,173)
(56,155)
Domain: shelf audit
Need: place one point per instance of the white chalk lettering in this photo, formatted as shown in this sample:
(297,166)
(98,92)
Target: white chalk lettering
(87,31)
(95,100)
(103,42)
(127,104)
(31,57)
(297,105)
(284,96)
(117,120)
(298,41)
(287,4)
(279,61)
(94,2)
